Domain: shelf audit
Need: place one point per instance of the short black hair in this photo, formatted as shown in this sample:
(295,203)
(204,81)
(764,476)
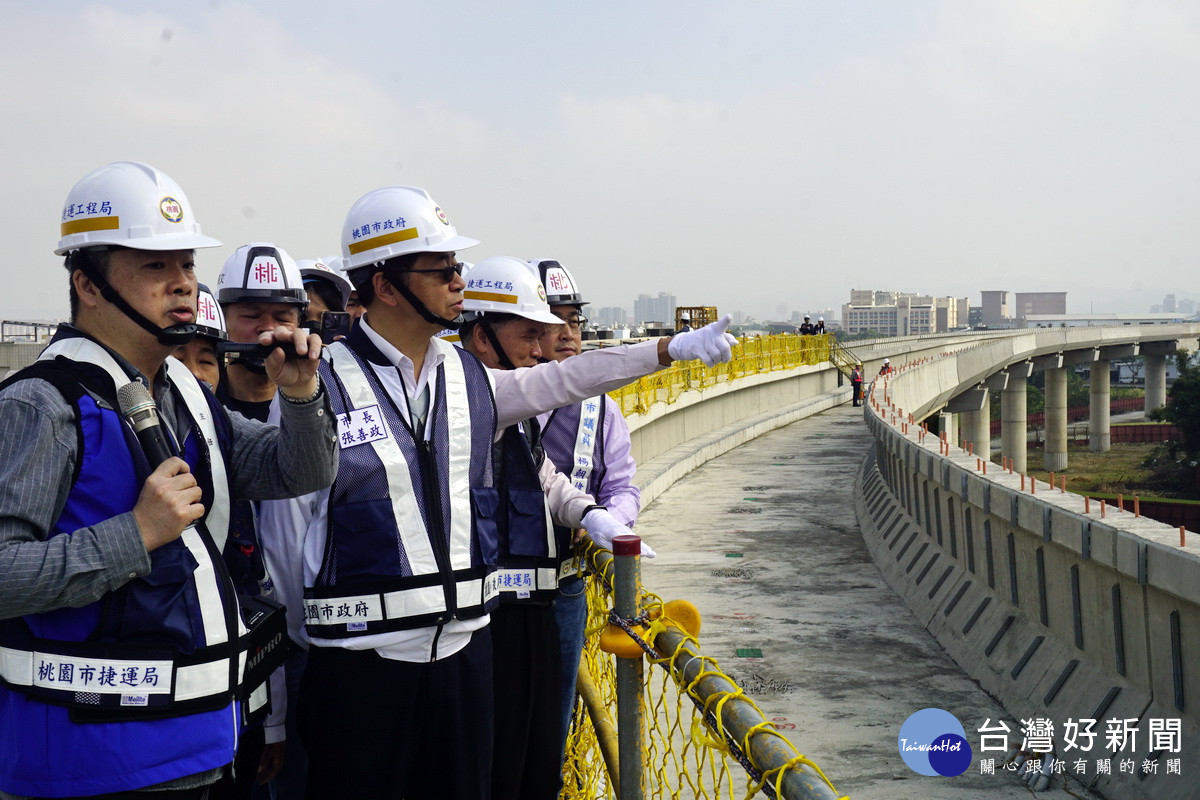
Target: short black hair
(95,258)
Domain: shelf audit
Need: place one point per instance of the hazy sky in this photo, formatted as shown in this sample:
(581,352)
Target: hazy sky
(757,156)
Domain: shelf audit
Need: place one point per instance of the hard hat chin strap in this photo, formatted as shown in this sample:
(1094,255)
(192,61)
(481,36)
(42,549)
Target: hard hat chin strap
(174,336)
(502,356)
(426,314)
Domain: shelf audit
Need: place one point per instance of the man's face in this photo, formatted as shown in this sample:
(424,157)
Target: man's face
(316,306)
(520,339)
(200,357)
(245,321)
(353,307)
(566,340)
(160,285)
(440,290)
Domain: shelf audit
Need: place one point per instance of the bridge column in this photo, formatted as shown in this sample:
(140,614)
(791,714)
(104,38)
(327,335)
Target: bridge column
(1156,381)
(1099,430)
(948,424)
(1014,432)
(977,430)
(1056,420)
(971,406)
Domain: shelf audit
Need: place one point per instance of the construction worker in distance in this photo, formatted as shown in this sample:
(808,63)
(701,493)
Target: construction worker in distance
(806,327)
(819,328)
(396,566)
(260,288)
(886,367)
(589,443)
(260,750)
(856,382)
(124,639)
(503,330)
(685,322)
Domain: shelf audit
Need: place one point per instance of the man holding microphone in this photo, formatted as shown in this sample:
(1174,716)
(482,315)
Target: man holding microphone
(124,642)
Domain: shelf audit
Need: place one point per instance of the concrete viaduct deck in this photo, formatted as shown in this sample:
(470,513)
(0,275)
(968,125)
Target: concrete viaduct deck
(789,546)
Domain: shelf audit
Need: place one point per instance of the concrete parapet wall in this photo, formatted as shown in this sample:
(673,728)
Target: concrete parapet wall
(15,355)
(1058,612)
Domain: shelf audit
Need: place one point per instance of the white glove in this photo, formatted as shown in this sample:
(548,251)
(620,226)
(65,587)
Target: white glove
(603,526)
(711,344)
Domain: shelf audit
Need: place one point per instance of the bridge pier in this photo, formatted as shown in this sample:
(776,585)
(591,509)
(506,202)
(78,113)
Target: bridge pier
(1156,382)
(1099,430)
(1014,436)
(977,430)
(948,424)
(1055,459)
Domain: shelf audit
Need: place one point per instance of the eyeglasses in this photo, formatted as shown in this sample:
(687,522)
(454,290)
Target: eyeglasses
(446,273)
(575,322)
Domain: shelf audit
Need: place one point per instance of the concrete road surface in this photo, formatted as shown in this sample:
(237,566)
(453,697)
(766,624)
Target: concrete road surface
(763,540)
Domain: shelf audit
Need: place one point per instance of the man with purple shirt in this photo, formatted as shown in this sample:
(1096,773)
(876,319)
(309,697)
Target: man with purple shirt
(589,443)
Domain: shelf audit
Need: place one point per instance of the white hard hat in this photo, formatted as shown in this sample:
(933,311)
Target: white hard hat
(820,319)
(506,285)
(887,361)
(450,335)
(393,221)
(320,269)
(561,288)
(129,204)
(210,319)
(260,272)
(685,315)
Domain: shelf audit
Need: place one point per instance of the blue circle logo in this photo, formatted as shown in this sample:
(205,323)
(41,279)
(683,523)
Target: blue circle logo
(933,742)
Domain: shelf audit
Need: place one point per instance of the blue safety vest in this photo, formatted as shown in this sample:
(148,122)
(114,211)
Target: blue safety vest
(531,545)
(412,530)
(136,688)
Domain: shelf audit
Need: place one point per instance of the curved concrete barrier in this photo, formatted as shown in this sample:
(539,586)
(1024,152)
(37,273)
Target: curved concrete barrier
(1059,612)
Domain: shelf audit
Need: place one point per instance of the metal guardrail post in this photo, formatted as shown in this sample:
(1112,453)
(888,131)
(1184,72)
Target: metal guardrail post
(737,716)
(630,680)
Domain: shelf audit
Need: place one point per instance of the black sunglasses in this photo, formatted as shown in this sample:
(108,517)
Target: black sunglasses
(447,273)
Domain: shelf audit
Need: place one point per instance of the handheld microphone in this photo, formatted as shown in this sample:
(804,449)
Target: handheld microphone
(137,406)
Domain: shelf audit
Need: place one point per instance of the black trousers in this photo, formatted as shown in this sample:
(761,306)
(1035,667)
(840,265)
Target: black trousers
(379,729)
(527,673)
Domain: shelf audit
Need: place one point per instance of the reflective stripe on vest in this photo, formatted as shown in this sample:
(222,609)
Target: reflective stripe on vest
(585,441)
(216,518)
(333,612)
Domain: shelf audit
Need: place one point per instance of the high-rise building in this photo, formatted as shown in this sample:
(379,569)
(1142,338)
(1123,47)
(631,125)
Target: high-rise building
(610,316)
(995,308)
(901,313)
(1034,303)
(654,309)
(1169,304)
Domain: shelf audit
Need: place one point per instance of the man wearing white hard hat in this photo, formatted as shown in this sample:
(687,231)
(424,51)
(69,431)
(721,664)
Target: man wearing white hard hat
(542,507)
(260,288)
(328,289)
(398,554)
(126,654)
(589,442)
(261,746)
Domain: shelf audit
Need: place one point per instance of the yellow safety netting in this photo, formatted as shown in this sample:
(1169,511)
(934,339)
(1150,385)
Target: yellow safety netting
(685,755)
(751,356)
